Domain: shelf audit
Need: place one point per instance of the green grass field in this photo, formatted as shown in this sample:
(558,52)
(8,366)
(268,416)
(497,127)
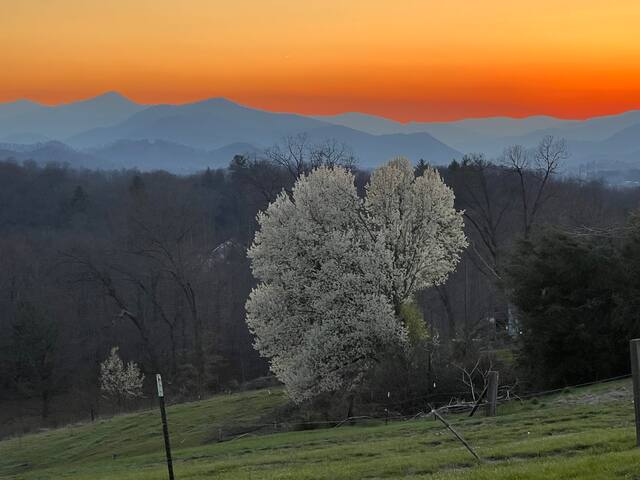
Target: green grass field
(581,434)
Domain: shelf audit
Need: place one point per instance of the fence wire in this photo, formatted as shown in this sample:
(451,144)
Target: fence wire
(454,407)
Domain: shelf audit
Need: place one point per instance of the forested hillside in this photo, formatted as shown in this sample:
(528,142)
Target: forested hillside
(156,264)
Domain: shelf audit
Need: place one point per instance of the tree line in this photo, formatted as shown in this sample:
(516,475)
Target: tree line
(156,265)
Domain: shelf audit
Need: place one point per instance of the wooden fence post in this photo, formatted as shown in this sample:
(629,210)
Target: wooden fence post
(634,348)
(492,393)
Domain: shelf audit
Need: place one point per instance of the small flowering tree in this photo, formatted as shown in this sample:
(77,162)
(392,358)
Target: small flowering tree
(119,381)
(335,270)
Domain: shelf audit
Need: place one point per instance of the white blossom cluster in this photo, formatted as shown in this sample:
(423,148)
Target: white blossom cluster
(335,269)
(118,380)
(416,218)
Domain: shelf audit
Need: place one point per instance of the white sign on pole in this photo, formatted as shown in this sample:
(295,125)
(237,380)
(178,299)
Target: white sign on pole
(159,382)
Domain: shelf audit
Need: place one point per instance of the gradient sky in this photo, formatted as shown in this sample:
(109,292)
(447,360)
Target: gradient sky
(403,59)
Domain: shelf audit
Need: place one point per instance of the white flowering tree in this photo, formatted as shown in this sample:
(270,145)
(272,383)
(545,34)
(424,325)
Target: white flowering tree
(416,219)
(119,381)
(335,270)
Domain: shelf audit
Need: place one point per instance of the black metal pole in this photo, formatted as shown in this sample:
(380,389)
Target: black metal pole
(165,427)
(635,372)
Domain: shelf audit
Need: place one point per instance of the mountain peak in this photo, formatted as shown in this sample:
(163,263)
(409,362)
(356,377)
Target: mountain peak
(111,94)
(216,102)
(21,102)
(111,97)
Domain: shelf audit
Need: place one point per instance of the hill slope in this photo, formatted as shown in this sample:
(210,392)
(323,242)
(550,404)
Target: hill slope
(207,124)
(587,434)
(140,154)
(32,120)
(217,123)
(373,150)
(51,151)
(477,133)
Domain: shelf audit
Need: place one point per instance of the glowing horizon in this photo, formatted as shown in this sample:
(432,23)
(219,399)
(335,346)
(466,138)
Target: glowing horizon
(411,60)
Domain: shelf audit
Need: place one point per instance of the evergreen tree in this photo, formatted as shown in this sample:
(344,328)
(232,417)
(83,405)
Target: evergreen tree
(566,290)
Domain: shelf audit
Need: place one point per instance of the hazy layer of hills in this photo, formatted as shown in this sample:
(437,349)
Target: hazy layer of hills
(142,154)
(601,147)
(31,120)
(110,131)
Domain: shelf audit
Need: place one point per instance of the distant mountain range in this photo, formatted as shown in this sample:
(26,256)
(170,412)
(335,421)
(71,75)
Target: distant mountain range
(491,135)
(111,131)
(32,120)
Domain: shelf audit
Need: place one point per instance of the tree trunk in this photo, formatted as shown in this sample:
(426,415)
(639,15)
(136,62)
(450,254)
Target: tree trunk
(46,400)
(444,297)
(197,340)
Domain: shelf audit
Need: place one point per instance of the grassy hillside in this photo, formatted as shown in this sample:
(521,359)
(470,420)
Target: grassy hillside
(583,434)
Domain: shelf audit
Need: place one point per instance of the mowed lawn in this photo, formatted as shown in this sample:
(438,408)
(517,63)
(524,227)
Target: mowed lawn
(582,434)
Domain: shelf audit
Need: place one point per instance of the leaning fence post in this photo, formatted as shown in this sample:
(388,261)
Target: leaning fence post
(458,436)
(479,400)
(492,393)
(634,348)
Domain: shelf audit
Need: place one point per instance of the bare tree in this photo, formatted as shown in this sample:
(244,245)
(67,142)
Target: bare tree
(108,276)
(291,154)
(332,153)
(534,168)
(487,200)
(475,374)
(155,273)
(261,175)
(298,155)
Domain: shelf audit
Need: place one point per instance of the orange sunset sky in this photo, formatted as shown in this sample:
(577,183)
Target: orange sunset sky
(403,59)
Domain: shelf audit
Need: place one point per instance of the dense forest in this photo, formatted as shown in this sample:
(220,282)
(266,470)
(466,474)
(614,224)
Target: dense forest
(156,264)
